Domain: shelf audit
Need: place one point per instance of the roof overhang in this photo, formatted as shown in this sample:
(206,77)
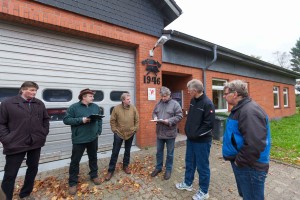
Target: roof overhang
(187,40)
(169,9)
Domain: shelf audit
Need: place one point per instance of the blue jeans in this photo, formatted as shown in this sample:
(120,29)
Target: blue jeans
(116,150)
(197,156)
(77,152)
(250,182)
(160,145)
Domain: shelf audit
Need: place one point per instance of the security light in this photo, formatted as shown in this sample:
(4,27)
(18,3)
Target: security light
(160,42)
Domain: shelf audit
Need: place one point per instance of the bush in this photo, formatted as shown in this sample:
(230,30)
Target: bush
(298,100)
(223,114)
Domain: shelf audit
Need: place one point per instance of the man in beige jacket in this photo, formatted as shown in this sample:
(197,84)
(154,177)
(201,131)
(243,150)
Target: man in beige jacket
(124,122)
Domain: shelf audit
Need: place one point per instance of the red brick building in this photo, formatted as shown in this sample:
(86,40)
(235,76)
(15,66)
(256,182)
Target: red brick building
(67,45)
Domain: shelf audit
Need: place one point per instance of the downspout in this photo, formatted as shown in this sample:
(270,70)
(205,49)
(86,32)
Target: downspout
(207,66)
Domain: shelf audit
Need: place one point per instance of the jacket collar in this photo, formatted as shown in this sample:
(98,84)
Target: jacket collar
(200,98)
(241,103)
(125,107)
(19,99)
(161,101)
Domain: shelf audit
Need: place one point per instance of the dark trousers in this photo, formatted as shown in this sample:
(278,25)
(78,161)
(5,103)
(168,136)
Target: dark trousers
(116,150)
(13,163)
(77,152)
(160,145)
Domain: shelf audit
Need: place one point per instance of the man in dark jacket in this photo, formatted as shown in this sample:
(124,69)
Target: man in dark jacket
(24,126)
(167,113)
(247,141)
(198,129)
(85,132)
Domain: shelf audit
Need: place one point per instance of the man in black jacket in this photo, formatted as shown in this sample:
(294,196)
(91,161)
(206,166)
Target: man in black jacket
(198,129)
(24,126)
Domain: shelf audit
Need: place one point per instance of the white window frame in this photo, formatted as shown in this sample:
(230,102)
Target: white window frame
(276,92)
(285,97)
(215,87)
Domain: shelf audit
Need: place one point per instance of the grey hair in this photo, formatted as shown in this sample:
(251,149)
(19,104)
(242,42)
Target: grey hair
(124,95)
(238,86)
(195,84)
(164,91)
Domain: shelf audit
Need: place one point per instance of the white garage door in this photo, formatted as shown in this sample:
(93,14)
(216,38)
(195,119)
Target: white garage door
(62,66)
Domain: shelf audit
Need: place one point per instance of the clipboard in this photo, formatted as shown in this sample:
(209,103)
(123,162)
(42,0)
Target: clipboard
(156,120)
(96,117)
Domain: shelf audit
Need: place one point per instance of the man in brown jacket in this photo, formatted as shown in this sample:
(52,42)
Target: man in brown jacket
(124,122)
(24,126)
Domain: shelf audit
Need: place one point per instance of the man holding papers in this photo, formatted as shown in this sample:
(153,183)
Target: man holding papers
(167,113)
(85,132)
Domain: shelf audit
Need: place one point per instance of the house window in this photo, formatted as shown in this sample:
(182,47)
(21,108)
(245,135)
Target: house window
(57,95)
(218,100)
(99,96)
(8,92)
(57,114)
(276,97)
(116,95)
(285,97)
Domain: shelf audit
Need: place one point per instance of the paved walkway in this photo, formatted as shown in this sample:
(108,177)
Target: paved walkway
(283,181)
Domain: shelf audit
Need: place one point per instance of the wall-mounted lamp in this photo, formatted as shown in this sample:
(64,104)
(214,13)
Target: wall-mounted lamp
(160,42)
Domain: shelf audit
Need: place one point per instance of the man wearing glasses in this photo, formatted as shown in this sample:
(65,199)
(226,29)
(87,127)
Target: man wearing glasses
(198,129)
(247,141)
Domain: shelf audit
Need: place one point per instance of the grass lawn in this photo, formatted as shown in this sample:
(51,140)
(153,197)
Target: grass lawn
(285,135)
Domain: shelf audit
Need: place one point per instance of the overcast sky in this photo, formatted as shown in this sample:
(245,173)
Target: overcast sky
(252,27)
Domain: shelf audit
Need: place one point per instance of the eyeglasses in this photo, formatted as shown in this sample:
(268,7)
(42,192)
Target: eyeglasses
(227,93)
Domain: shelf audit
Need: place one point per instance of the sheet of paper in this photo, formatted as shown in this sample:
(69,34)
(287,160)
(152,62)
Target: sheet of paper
(156,120)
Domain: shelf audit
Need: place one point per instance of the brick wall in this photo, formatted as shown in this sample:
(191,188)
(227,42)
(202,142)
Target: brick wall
(262,92)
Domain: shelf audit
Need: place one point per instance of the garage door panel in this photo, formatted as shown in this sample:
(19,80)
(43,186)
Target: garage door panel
(57,61)
(26,36)
(71,77)
(75,62)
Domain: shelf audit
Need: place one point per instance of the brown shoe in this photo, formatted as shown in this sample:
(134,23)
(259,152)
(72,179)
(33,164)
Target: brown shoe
(73,190)
(167,175)
(155,172)
(108,176)
(96,181)
(127,170)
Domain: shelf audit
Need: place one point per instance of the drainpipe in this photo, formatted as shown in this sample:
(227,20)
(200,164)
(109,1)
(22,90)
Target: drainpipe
(207,66)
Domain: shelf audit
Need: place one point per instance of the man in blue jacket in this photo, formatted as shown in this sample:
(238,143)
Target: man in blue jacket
(247,141)
(85,132)
(198,129)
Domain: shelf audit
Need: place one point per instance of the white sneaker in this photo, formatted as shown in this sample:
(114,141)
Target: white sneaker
(183,186)
(200,195)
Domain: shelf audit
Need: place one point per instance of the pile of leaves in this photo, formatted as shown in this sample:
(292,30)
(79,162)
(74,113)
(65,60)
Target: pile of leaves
(57,188)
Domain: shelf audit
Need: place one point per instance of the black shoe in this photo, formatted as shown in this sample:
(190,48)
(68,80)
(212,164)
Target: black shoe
(155,172)
(167,175)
